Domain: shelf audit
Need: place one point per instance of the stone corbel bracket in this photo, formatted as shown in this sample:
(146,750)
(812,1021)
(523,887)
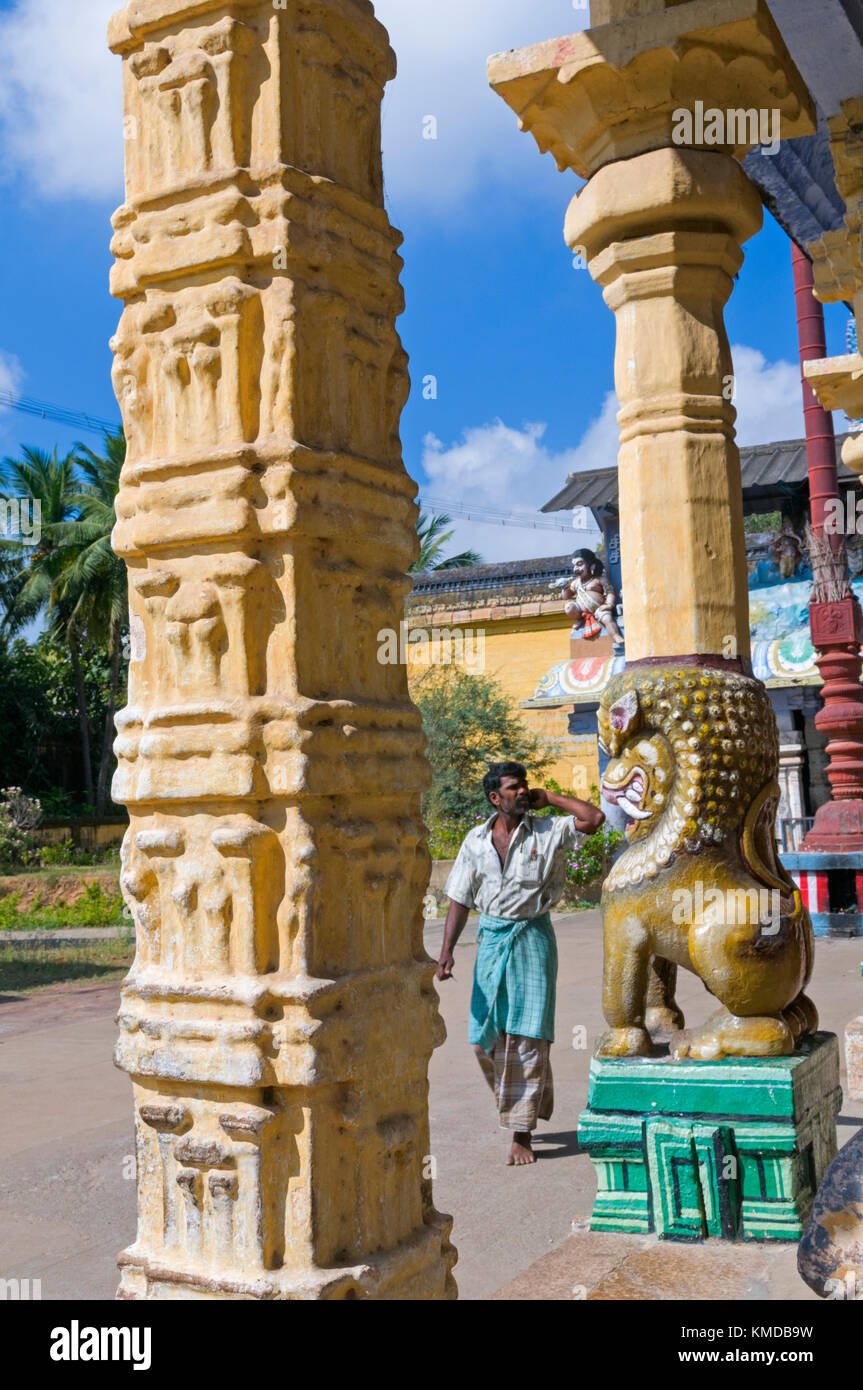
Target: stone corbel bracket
(610,93)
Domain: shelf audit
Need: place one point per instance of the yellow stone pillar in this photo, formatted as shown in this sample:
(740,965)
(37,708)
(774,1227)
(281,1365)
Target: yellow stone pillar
(279,1017)
(662,236)
(655,107)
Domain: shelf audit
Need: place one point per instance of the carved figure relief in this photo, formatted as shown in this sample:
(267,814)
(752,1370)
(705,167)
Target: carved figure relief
(203,1165)
(190,363)
(195,103)
(204,903)
(210,622)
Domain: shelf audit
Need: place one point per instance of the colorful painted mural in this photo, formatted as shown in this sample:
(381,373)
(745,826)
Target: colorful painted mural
(782,651)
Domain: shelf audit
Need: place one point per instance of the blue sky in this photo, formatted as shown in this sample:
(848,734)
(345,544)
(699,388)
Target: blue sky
(519,340)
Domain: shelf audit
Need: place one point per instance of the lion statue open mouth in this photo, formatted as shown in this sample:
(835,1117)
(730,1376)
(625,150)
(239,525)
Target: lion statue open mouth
(694,760)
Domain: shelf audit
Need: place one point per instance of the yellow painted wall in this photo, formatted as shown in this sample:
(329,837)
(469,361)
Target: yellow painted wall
(517,654)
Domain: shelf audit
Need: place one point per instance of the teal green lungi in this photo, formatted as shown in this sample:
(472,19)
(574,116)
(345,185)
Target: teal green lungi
(514,980)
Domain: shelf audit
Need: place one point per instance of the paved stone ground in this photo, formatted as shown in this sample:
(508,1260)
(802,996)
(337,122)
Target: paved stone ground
(66,1207)
(508,1218)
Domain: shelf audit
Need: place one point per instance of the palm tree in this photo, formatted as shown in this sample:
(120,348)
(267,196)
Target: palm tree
(32,572)
(93,578)
(433,537)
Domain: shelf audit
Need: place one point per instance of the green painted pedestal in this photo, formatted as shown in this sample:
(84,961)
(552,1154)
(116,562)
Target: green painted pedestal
(734,1149)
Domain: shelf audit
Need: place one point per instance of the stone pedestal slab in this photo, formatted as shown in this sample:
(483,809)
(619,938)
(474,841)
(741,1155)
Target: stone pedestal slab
(733,1149)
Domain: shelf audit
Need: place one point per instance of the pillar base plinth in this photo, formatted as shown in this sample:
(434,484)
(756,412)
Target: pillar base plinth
(419,1269)
(733,1149)
(838,829)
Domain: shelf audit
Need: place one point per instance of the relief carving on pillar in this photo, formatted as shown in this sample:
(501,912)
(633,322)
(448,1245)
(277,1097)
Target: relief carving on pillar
(212,622)
(186,369)
(193,108)
(203,1185)
(333,376)
(204,896)
(694,766)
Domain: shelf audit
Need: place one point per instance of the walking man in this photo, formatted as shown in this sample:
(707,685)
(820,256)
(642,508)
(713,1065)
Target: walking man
(512,870)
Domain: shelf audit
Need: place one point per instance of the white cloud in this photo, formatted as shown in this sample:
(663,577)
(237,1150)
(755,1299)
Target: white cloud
(442,48)
(60,99)
(598,446)
(496,466)
(768,397)
(60,102)
(11,375)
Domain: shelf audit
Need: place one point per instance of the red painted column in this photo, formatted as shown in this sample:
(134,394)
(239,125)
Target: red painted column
(820,439)
(837,628)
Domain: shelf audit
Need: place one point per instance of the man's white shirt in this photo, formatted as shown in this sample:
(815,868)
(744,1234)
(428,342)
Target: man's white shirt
(533,876)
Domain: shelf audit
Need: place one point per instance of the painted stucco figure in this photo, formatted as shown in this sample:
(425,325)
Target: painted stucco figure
(591,600)
(694,767)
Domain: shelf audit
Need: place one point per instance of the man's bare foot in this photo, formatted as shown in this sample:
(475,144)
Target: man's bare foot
(521,1152)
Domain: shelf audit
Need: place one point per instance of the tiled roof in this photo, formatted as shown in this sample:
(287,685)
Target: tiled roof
(766,470)
(511,572)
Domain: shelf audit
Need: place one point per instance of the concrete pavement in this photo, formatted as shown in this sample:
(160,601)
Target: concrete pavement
(67,1200)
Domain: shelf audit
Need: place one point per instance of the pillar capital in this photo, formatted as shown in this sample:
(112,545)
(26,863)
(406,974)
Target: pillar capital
(671,192)
(838,384)
(837,256)
(615,91)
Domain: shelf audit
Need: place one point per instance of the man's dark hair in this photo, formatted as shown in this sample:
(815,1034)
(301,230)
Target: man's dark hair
(593,562)
(496,773)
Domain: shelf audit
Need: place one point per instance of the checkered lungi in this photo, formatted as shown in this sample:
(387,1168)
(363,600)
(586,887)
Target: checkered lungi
(518,1070)
(512,1015)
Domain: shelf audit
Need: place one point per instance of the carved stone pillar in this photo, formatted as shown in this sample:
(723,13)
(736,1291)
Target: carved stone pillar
(280,1015)
(792,807)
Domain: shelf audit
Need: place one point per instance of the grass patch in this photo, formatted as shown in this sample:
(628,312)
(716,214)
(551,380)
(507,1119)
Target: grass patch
(55,872)
(23,971)
(100,906)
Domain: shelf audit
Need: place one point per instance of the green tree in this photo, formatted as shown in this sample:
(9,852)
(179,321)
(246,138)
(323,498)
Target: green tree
(757,522)
(469,722)
(34,587)
(39,715)
(93,578)
(433,538)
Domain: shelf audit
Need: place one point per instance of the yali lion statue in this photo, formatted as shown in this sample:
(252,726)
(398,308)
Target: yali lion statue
(694,765)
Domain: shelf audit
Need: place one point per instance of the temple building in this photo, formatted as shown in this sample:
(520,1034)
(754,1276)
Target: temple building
(515,629)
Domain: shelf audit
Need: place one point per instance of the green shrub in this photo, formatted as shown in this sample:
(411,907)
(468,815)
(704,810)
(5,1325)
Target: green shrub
(469,722)
(68,853)
(19,814)
(63,853)
(57,803)
(99,907)
(592,860)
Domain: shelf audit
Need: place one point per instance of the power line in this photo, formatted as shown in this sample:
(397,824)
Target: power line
(491,516)
(494,516)
(92,423)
